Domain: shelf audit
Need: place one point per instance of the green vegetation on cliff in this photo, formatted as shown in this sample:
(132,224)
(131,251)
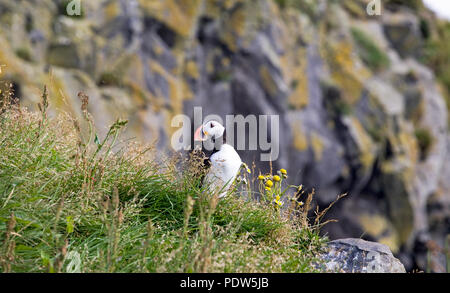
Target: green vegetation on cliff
(69,203)
(370,53)
(437,56)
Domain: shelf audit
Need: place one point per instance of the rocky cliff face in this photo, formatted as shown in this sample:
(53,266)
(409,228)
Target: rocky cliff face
(359,112)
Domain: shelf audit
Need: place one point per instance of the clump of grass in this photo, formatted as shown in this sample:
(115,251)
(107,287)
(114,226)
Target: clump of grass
(370,53)
(355,7)
(415,5)
(24,54)
(73,202)
(425,141)
(109,79)
(307,7)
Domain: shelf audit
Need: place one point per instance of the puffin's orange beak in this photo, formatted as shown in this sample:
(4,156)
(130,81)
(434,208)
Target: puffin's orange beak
(198,135)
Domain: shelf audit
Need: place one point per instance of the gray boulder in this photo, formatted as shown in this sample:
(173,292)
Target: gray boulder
(360,256)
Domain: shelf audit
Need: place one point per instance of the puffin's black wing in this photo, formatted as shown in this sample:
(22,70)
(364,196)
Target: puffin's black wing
(206,154)
(206,164)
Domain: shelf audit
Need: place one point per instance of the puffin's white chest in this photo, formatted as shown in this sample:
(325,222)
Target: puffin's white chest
(225,165)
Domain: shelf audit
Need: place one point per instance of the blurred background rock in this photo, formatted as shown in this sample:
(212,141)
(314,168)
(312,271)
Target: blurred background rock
(363,100)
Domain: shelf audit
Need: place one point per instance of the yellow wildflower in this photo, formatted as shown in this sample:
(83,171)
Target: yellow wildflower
(261,177)
(268,188)
(277,197)
(276,178)
(283,171)
(269,183)
(246,168)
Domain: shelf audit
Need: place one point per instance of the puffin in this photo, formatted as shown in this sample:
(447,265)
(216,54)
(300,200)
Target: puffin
(223,161)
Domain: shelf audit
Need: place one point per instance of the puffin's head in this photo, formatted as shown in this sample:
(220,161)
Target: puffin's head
(211,129)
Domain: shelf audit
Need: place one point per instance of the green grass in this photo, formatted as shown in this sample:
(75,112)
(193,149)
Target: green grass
(68,202)
(425,141)
(109,79)
(24,54)
(370,53)
(308,7)
(413,4)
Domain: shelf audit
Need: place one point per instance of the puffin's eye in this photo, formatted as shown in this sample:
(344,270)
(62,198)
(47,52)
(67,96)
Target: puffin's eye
(212,125)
